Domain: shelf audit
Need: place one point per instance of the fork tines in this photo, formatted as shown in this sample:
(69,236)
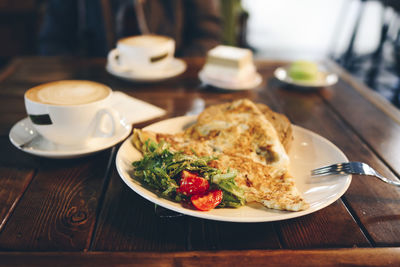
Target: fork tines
(340,168)
(353,167)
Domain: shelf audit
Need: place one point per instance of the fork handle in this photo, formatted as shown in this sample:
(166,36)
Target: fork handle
(386,180)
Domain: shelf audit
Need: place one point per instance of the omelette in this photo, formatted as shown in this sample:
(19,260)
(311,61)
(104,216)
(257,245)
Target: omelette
(248,138)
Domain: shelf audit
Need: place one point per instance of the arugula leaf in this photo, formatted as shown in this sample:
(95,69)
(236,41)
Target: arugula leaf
(160,169)
(233,194)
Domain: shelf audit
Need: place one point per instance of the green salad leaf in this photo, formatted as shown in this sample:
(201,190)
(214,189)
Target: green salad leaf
(160,169)
(233,194)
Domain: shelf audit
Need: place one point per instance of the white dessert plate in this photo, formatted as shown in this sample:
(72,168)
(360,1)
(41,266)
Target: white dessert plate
(308,151)
(248,85)
(24,136)
(175,68)
(325,79)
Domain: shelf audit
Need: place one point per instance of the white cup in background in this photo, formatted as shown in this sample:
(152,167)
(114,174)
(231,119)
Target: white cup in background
(71,112)
(142,53)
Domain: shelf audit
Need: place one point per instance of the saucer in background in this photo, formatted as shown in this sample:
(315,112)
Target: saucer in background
(250,84)
(325,79)
(175,68)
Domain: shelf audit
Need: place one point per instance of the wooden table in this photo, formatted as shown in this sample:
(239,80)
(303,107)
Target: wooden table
(78,211)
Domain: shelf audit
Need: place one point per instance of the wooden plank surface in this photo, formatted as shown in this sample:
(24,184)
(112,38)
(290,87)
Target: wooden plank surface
(13,184)
(334,257)
(58,210)
(213,235)
(12,110)
(378,130)
(128,223)
(74,205)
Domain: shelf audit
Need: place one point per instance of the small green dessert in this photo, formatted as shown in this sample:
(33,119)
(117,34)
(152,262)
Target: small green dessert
(302,70)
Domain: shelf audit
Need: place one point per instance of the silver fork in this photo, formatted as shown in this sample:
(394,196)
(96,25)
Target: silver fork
(354,167)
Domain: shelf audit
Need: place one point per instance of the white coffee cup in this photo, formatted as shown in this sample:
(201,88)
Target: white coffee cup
(142,53)
(71,112)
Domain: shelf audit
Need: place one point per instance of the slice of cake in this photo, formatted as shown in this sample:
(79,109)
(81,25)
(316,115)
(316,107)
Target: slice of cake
(229,64)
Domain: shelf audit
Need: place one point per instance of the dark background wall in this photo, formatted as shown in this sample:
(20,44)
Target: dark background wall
(19,24)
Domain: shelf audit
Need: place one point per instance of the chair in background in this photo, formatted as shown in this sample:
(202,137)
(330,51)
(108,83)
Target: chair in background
(371,66)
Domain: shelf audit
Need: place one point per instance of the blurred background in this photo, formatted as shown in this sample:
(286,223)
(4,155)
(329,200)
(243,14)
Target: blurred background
(360,35)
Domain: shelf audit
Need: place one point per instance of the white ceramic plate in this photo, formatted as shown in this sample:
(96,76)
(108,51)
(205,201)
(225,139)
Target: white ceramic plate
(326,79)
(308,151)
(176,67)
(23,132)
(248,85)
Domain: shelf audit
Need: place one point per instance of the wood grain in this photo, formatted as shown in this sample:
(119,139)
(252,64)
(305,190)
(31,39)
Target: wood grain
(13,109)
(333,257)
(331,227)
(58,210)
(128,222)
(17,170)
(8,70)
(13,184)
(73,205)
(378,130)
(213,235)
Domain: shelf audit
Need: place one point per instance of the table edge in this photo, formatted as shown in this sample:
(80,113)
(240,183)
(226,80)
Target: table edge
(310,257)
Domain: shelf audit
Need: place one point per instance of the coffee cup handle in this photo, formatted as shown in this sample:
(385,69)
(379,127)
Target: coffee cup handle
(113,117)
(112,60)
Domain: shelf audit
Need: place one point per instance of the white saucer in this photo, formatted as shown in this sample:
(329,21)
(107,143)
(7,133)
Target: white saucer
(176,67)
(24,136)
(325,79)
(248,85)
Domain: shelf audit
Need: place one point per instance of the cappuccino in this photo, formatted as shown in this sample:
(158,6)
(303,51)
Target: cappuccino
(66,93)
(142,54)
(72,112)
(144,40)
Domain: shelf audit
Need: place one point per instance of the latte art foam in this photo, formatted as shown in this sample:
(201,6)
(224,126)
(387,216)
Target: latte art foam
(68,93)
(144,40)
